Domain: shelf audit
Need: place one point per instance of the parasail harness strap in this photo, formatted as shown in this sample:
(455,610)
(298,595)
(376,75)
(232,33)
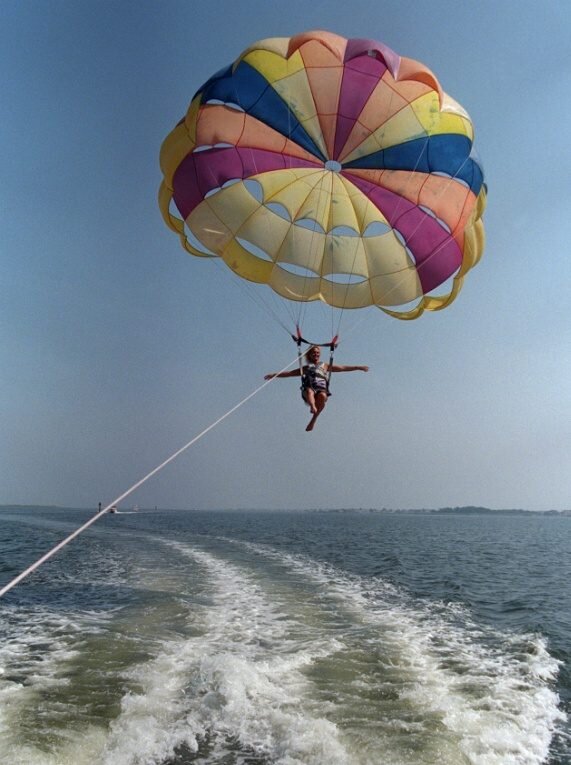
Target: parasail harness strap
(332,345)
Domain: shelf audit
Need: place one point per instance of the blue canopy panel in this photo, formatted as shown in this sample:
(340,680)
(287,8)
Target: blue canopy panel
(444,153)
(248,89)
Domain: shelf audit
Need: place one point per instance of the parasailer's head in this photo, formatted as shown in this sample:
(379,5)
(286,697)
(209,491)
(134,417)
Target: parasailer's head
(313,354)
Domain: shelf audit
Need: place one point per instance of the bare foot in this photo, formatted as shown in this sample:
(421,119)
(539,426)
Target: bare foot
(311,423)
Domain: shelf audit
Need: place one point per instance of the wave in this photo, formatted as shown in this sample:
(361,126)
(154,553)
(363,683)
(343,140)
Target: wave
(250,655)
(491,689)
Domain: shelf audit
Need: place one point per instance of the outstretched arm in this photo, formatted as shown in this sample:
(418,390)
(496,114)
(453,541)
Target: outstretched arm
(347,368)
(291,373)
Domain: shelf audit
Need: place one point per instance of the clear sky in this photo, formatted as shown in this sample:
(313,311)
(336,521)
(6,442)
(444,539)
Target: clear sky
(116,347)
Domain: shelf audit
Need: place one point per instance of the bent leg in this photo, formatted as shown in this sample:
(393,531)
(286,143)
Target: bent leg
(309,397)
(320,400)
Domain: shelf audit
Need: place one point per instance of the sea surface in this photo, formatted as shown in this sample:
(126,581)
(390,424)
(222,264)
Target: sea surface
(290,638)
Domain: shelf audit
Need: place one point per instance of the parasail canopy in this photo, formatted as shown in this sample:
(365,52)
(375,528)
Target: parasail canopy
(329,169)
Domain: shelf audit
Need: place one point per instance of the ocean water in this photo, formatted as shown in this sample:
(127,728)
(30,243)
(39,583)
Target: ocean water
(258,638)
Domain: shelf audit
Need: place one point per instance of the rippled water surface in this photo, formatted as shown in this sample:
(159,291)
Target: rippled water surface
(251,638)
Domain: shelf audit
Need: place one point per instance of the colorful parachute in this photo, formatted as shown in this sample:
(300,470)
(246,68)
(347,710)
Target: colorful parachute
(329,169)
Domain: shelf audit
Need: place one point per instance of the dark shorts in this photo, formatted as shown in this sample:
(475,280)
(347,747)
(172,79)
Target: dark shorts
(317,386)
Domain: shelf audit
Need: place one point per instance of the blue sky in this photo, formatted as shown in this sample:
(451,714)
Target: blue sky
(116,348)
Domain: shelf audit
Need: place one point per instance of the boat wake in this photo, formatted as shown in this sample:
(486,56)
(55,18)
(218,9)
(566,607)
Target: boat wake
(244,654)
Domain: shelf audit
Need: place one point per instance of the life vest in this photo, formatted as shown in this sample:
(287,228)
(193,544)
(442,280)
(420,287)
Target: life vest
(315,376)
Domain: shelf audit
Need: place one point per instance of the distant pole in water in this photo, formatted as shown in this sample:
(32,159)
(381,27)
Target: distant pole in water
(7,587)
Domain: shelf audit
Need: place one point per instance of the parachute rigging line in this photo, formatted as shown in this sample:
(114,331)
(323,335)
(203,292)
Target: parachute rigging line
(332,345)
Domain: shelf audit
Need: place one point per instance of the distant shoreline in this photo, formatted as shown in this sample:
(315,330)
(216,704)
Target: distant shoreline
(467,510)
(463,510)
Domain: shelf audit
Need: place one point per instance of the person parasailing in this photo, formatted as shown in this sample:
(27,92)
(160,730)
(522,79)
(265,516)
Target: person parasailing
(315,380)
(375,199)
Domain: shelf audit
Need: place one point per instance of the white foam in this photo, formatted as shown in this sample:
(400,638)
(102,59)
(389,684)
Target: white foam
(34,657)
(295,663)
(240,681)
(492,691)
(39,651)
